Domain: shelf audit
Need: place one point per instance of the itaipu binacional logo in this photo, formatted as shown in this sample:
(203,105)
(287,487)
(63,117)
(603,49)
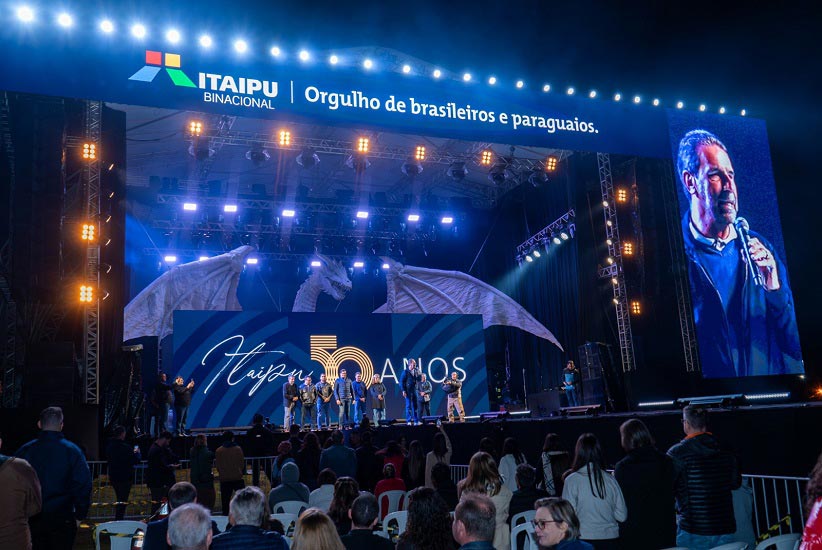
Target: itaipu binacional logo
(324,350)
(217,88)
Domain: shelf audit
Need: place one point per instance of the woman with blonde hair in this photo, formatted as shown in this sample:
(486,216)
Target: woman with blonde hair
(316,530)
(483,477)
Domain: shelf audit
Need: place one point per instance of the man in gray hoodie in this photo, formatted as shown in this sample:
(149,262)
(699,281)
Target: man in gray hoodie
(290,488)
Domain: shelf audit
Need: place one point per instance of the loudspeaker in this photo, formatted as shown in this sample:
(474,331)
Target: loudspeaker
(544,403)
(601,380)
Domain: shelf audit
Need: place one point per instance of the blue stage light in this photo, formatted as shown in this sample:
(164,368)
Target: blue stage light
(520,84)
(275,51)
(205,41)
(466,77)
(656,102)
(570,90)
(252,261)
(368,64)
(437,73)
(702,108)
(304,55)
(240,46)
(637,99)
(406,69)
(492,80)
(316,263)
(546,88)
(170,259)
(333,59)
(743,112)
(617,96)
(173,36)
(679,105)
(722,110)
(413,217)
(447,220)
(592,94)
(65,20)
(359,263)
(288,213)
(362,214)
(107,26)
(25,14)
(138,31)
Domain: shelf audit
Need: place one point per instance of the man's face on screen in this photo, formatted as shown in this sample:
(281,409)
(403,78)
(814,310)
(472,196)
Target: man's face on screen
(714,189)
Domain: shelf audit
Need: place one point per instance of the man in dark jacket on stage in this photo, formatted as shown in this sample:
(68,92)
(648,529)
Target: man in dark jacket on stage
(291,396)
(161,400)
(360,394)
(705,477)
(182,401)
(408,382)
(344,394)
(308,398)
(325,394)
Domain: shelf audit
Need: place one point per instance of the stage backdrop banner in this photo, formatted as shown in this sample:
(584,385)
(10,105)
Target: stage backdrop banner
(239,361)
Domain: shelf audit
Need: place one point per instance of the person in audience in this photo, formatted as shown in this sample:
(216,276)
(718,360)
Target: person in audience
(369,465)
(322,496)
(487,445)
(440,454)
(363,513)
(231,468)
(122,458)
(393,453)
(284,456)
(189,528)
(474,526)
(20,499)
(483,477)
(156,532)
(413,467)
(812,535)
(389,482)
(202,462)
(247,514)
(705,477)
(259,443)
(646,477)
(160,468)
(315,531)
(744,514)
(555,462)
(511,458)
(346,490)
(444,485)
(65,481)
(429,523)
(595,495)
(526,494)
(556,526)
(308,459)
(290,488)
(338,457)
(295,439)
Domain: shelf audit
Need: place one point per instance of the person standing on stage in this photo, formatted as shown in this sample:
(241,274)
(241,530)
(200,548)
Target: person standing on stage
(308,397)
(377,391)
(424,390)
(344,393)
(570,383)
(161,401)
(453,388)
(325,392)
(408,383)
(290,397)
(360,395)
(182,400)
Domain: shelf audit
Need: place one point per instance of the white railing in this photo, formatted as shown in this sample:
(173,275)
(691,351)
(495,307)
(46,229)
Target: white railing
(778,503)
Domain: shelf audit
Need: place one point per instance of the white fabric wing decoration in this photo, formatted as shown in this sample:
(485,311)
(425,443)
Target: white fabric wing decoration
(204,285)
(421,290)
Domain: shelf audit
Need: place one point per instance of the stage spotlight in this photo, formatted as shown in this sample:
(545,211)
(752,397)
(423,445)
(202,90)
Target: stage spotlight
(628,248)
(170,258)
(206,41)
(536,253)
(230,208)
(406,69)
(358,162)
(88,232)
(528,258)
(304,55)
(190,206)
(195,128)
(556,240)
(316,263)
(497,174)
(570,91)
(362,145)
(437,73)
(592,94)
(203,258)
(609,223)
(656,102)
(492,80)
(89,151)
(610,260)
(173,36)
(609,242)
(446,220)
(419,153)
(386,266)
(520,84)
(257,157)
(411,168)
(679,105)
(636,308)
(107,26)
(25,14)
(637,99)
(551,163)
(362,215)
(138,31)
(564,235)
(466,77)
(605,204)
(722,110)
(252,261)
(275,51)
(240,46)
(359,264)
(368,64)
(702,108)
(201,153)
(546,88)
(333,59)
(65,20)
(743,112)
(614,281)
(413,217)
(486,157)
(285,138)
(457,171)
(622,195)
(616,301)
(537,178)
(86,293)
(617,97)
(288,213)
(308,158)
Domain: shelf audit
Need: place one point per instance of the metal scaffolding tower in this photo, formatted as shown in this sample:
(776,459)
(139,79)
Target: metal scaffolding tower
(8,306)
(614,270)
(91,310)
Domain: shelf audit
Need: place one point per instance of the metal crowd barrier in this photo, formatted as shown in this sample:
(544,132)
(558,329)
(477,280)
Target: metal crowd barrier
(778,503)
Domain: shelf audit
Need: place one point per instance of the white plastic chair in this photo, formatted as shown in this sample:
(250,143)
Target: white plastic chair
(288,521)
(295,507)
(732,546)
(523,517)
(516,532)
(123,527)
(782,542)
(401,517)
(221,521)
(395,501)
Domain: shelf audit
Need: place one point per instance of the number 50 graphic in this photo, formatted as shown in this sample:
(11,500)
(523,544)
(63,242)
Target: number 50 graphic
(322,345)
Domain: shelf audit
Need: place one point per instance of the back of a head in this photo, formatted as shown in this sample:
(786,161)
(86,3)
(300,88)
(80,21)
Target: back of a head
(440,474)
(248,506)
(228,436)
(526,476)
(478,514)
(510,447)
(315,530)
(696,416)
(487,445)
(327,476)
(440,447)
(181,493)
(336,437)
(552,443)
(364,511)
(366,439)
(389,471)
(258,419)
(189,527)
(562,511)
(634,434)
(118,431)
(51,419)
(290,473)
(588,451)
